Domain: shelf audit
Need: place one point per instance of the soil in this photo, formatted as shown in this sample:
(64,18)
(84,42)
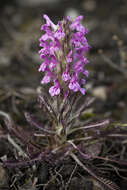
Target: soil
(20,81)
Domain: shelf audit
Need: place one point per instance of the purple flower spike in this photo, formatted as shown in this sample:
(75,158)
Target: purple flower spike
(63,49)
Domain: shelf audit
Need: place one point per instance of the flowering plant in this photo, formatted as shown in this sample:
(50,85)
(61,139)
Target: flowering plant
(63,48)
(63,53)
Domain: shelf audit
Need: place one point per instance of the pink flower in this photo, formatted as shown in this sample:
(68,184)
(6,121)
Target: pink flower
(59,33)
(77,26)
(85,72)
(42,67)
(49,22)
(69,57)
(82,90)
(55,90)
(46,79)
(74,85)
(66,76)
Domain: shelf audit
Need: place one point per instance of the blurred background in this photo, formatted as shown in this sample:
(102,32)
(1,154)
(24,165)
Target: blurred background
(20,22)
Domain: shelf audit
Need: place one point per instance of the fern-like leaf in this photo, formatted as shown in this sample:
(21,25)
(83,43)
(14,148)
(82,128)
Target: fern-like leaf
(104,183)
(107,184)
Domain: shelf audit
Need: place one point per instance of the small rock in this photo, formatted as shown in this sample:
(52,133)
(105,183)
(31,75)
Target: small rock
(27,188)
(28,90)
(93,149)
(72,12)
(89,5)
(4,59)
(3,177)
(34,3)
(42,173)
(77,183)
(123,185)
(3,148)
(100,92)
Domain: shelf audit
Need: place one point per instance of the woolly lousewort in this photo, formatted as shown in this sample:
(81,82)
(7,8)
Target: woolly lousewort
(63,48)
(63,134)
